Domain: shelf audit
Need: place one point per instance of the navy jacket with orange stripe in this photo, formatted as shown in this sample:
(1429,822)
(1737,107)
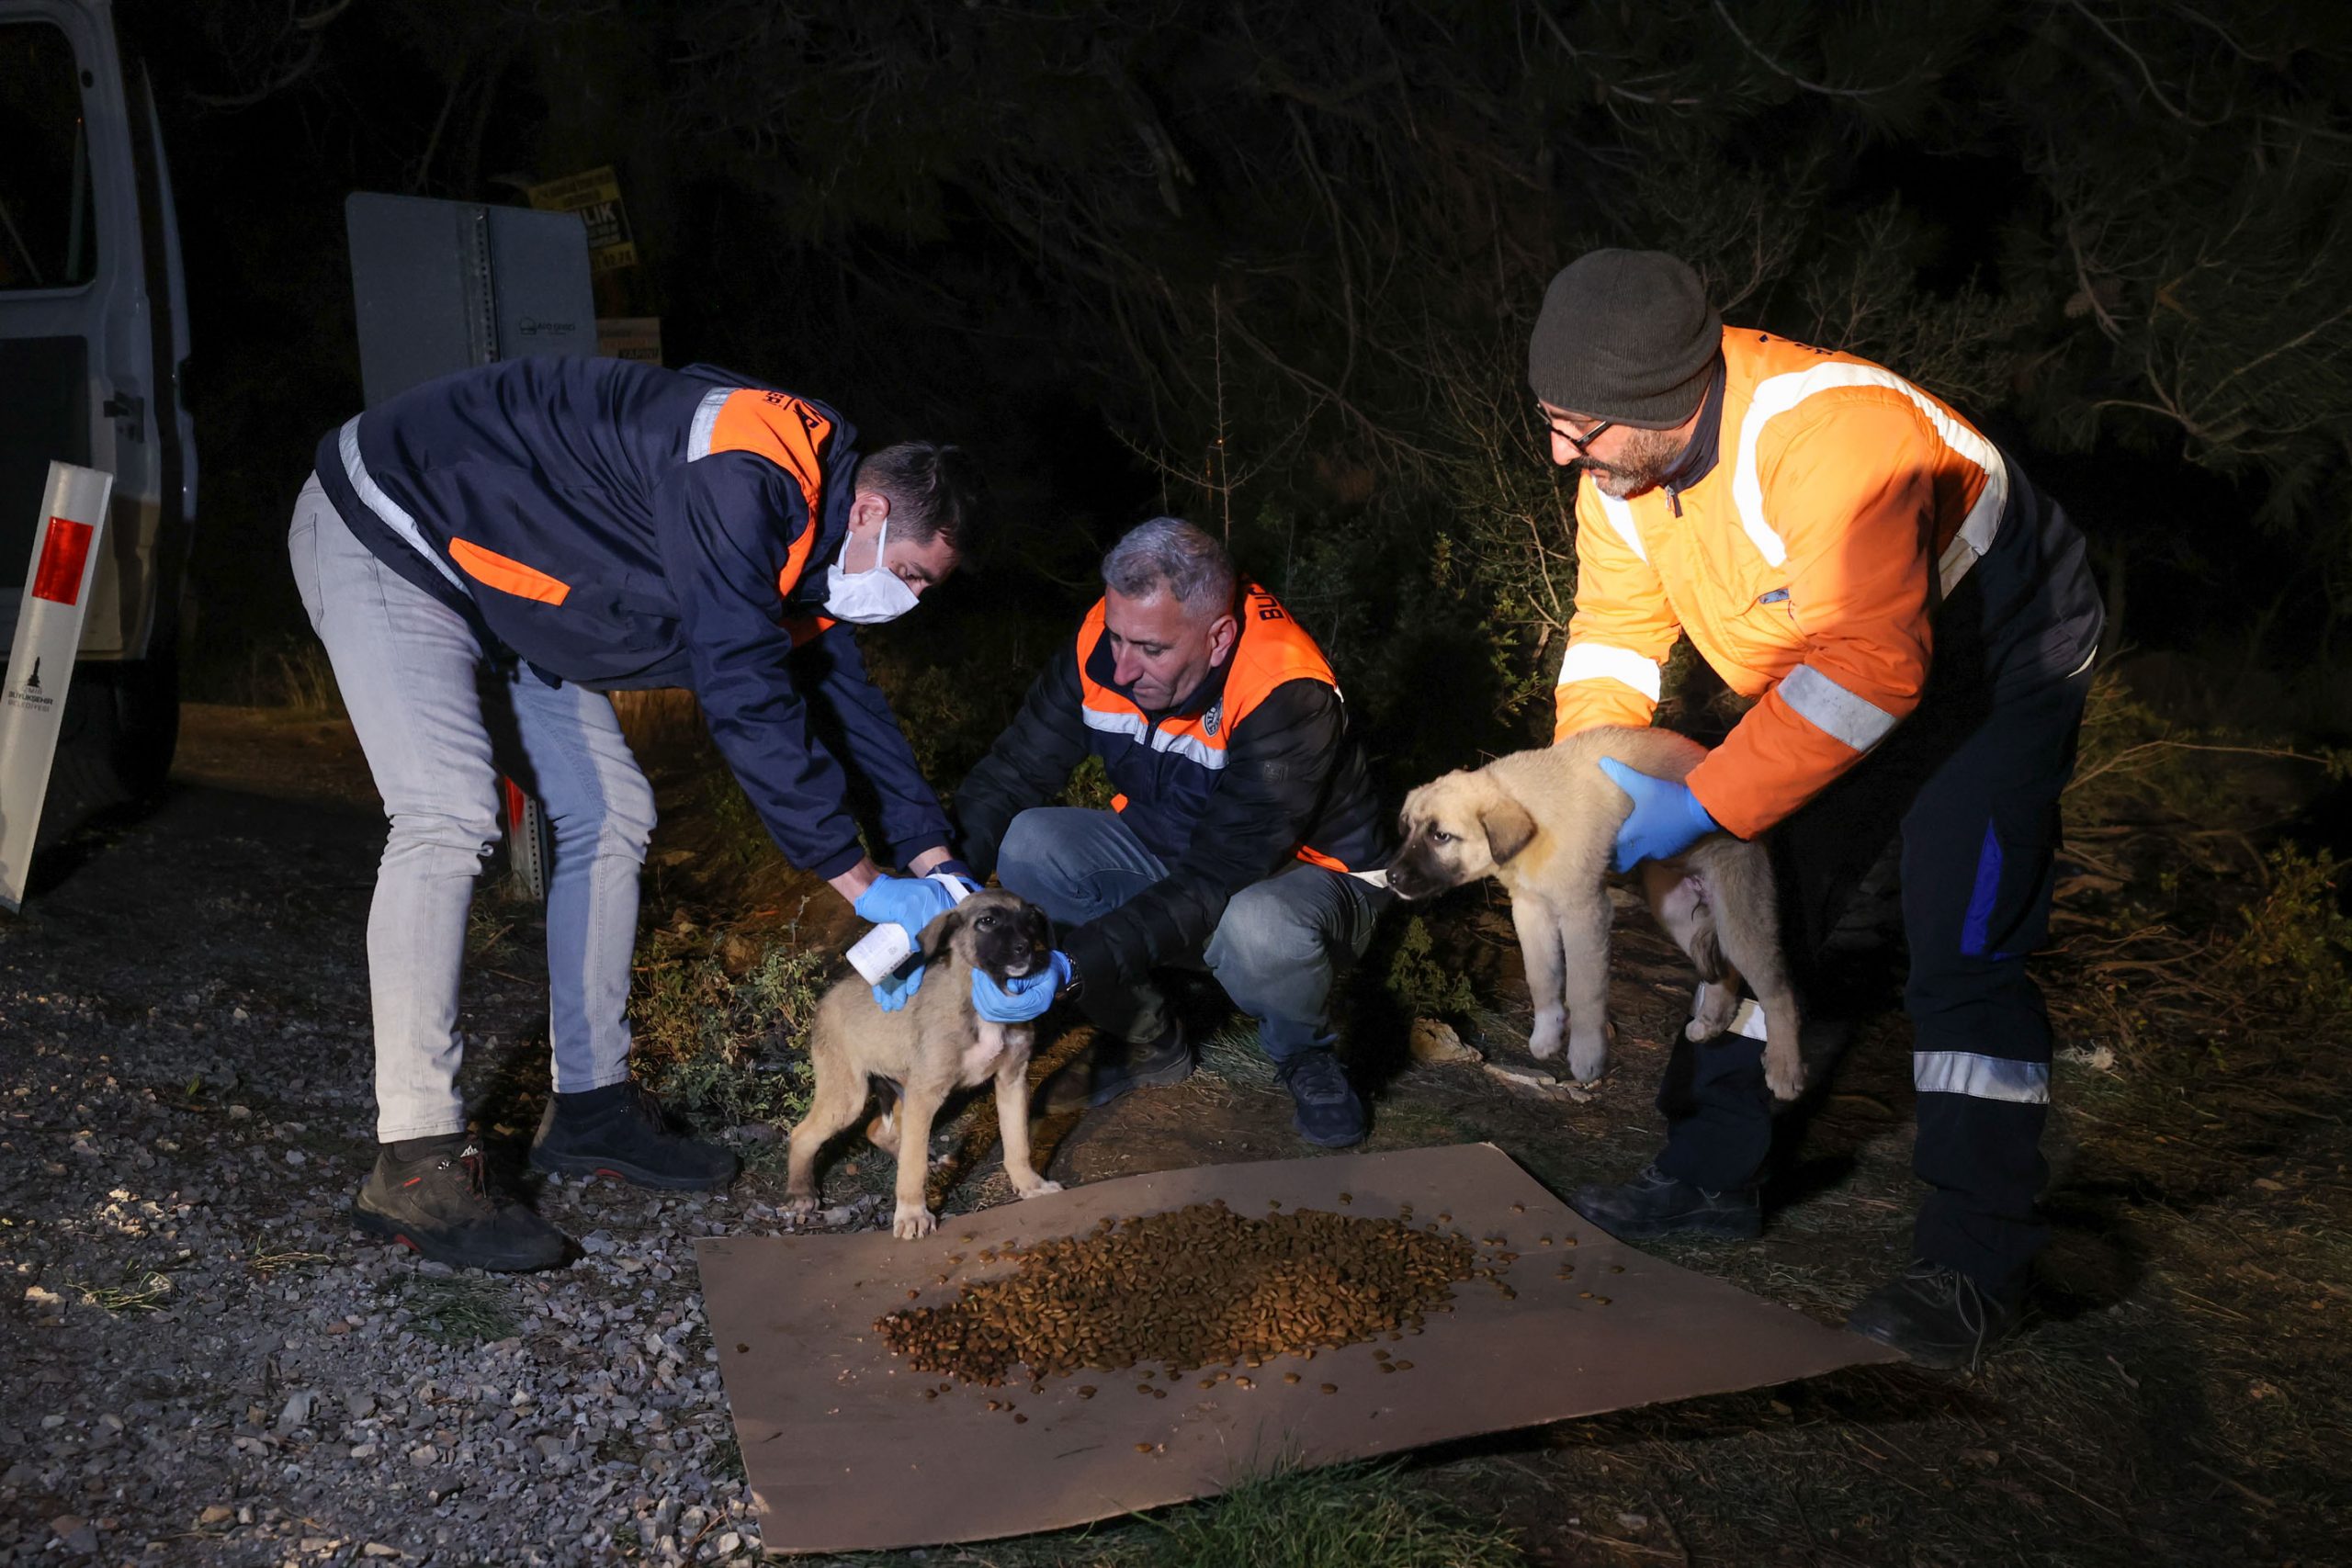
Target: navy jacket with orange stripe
(624,526)
(1250,772)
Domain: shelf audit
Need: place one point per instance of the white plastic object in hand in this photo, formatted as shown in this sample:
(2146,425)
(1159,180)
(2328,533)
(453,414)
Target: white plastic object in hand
(883,949)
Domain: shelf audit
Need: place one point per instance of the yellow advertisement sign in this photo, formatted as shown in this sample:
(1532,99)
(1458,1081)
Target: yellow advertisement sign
(595,195)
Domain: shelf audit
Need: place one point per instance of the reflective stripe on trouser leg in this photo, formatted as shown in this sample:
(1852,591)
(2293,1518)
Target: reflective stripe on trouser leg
(1978,849)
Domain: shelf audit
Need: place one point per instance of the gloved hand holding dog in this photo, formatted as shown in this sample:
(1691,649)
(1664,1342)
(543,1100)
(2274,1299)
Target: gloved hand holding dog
(910,903)
(1667,818)
(1021,997)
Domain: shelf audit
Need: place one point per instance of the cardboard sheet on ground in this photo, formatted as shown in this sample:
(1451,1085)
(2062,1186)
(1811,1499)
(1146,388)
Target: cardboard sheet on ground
(842,1452)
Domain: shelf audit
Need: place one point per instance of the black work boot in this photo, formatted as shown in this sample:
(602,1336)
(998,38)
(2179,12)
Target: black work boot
(1936,1316)
(1327,1110)
(620,1130)
(1654,1203)
(1110,1068)
(439,1205)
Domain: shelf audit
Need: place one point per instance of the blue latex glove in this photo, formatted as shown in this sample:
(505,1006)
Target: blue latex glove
(910,903)
(1667,818)
(1022,998)
(898,985)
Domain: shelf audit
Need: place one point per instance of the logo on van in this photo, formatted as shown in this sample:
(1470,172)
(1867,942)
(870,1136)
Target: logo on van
(531,326)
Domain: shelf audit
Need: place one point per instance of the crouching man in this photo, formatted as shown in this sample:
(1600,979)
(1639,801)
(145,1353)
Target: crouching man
(1242,805)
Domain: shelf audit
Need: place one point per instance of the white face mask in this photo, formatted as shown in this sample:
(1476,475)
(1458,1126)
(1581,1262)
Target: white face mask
(869,597)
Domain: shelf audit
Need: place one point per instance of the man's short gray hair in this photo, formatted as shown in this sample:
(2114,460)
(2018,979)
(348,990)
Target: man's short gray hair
(1171,553)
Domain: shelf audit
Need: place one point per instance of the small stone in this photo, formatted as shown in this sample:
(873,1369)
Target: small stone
(241,1112)
(75,1532)
(378,1549)
(296,1157)
(215,1514)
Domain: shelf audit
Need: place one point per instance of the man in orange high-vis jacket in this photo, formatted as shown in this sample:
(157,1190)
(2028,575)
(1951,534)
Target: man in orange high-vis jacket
(1918,623)
(1241,806)
(484,558)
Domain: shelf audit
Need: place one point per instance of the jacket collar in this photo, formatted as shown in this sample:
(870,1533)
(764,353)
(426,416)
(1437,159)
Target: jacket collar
(1698,459)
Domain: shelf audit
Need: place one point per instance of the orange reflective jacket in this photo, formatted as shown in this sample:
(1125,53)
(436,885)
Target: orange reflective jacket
(1803,565)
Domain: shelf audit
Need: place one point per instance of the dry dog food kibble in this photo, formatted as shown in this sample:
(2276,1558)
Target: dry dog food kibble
(1194,1288)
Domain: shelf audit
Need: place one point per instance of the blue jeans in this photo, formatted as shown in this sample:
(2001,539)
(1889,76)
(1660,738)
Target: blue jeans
(431,718)
(1275,951)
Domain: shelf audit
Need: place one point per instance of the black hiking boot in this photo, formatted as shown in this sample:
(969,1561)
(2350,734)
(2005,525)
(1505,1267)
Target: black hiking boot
(621,1131)
(439,1205)
(1936,1316)
(1327,1110)
(1654,1203)
(1110,1068)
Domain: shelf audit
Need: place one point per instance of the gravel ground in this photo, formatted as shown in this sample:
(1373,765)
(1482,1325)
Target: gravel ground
(205,1363)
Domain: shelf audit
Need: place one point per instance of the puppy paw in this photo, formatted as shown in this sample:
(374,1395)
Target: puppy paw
(1588,1057)
(802,1204)
(883,1132)
(1037,1189)
(1784,1074)
(1712,1010)
(1544,1042)
(912,1221)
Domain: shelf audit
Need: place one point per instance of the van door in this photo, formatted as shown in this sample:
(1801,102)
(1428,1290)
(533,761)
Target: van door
(93,335)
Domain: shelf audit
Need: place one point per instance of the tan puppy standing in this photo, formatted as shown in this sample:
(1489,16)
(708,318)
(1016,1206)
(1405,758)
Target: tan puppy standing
(1543,823)
(934,1045)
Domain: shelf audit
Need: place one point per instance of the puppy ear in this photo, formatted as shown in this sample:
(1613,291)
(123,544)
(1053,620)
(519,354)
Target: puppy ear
(938,935)
(1508,828)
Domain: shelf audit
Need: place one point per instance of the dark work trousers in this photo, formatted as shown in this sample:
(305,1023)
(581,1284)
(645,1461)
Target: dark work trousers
(1971,781)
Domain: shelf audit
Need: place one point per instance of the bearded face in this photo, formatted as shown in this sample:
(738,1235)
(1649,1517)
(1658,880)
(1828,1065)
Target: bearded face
(1642,460)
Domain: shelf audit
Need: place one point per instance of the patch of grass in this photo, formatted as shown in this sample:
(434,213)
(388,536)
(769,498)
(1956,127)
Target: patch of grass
(1089,786)
(293,674)
(1337,1517)
(2296,945)
(144,1291)
(1420,985)
(1231,1054)
(262,1262)
(740,836)
(457,1311)
(712,1039)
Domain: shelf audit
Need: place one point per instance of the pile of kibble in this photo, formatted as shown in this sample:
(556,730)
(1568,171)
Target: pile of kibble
(1195,1287)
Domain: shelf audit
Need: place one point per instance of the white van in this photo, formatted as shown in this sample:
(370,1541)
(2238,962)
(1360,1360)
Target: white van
(93,335)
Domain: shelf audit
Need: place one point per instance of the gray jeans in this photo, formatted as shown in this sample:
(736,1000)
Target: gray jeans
(437,725)
(1275,951)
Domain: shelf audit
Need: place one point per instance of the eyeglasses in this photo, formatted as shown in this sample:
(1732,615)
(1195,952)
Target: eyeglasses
(1583,443)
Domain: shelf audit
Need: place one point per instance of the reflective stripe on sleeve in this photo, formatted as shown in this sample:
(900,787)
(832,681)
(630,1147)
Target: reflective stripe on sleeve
(1620,517)
(1980,1077)
(1778,394)
(705,421)
(1599,662)
(388,512)
(1835,711)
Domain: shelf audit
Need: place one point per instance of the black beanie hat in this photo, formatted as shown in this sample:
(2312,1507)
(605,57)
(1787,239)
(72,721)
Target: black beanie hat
(1624,335)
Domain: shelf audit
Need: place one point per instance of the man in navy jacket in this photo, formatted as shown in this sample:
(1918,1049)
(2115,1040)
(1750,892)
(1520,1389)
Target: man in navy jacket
(484,558)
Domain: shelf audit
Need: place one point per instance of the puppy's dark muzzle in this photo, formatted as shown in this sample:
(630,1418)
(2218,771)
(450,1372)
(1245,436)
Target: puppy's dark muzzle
(1409,878)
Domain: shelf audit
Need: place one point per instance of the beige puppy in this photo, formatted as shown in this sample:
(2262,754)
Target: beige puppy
(1545,825)
(934,1045)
